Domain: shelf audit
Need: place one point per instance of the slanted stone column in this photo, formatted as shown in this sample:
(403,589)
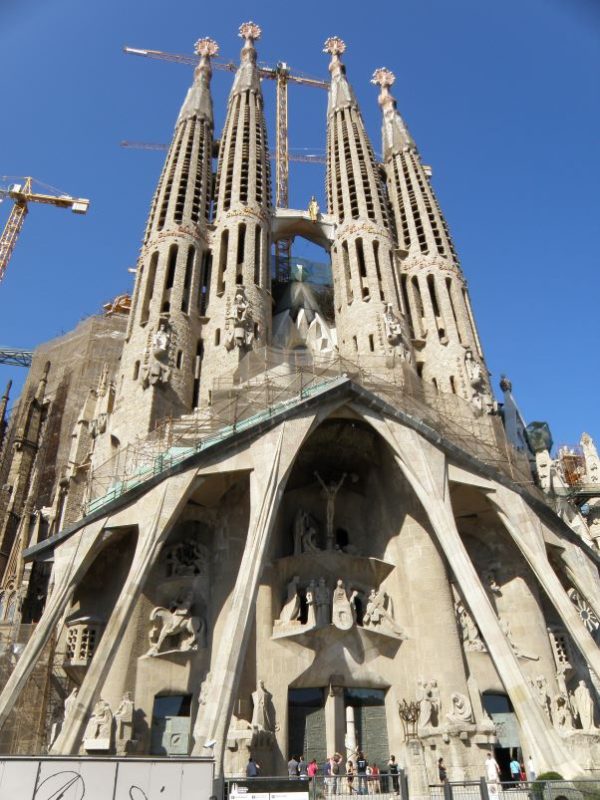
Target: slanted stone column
(425,468)
(274,455)
(526,531)
(157,511)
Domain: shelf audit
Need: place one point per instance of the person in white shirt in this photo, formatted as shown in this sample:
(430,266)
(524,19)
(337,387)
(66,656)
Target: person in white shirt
(531,773)
(492,770)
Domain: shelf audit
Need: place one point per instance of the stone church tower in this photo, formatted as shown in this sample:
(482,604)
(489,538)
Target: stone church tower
(259,549)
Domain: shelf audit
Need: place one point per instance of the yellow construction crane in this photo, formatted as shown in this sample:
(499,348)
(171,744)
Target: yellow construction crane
(20,192)
(283,75)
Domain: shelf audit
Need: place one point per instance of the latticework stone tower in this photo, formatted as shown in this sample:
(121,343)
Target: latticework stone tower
(433,288)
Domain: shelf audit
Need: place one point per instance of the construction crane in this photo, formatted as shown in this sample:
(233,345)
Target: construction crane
(21,194)
(15,358)
(303,158)
(283,75)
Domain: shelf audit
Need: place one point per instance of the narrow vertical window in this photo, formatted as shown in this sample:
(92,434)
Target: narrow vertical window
(407,304)
(149,288)
(347,273)
(187,280)
(223,261)
(257,256)
(205,275)
(378,269)
(197,373)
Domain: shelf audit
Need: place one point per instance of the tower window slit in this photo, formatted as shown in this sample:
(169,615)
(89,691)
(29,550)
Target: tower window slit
(433,295)
(453,309)
(171,177)
(378,269)
(452,384)
(222,261)
(371,343)
(179,359)
(257,256)
(217,337)
(205,275)
(185,172)
(171,266)
(407,305)
(187,280)
(149,288)
(418,299)
(197,373)
(347,273)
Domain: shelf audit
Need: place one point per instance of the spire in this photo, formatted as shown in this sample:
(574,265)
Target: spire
(247,77)
(395,135)
(341,94)
(198,102)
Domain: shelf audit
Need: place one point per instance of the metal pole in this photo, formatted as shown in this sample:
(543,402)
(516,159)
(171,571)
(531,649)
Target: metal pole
(483,789)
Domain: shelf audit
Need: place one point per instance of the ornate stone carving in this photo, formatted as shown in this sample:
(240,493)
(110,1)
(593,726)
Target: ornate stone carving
(343,612)
(313,209)
(329,492)
(305,533)
(393,330)
(124,723)
(250,31)
(461,709)
(428,698)
(379,613)
(583,706)
(187,558)
(70,703)
(241,332)
(311,604)
(505,627)
(157,359)
(323,601)
(334,46)
(562,713)
(262,712)
(586,613)
(291,609)
(479,395)
(471,637)
(206,47)
(176,623)
(99,730)
(540,688)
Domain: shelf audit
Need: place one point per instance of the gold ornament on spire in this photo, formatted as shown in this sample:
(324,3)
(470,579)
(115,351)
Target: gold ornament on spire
(383,77)
(206,47)
(334,46)
(250,31)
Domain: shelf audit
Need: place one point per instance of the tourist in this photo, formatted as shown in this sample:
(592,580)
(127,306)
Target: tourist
(327,777)
(312,768)
(335,771)
(492,770)
(374,783)
(252,768)
(442,772)
(531,773)
(292,767)
(350,773)
(393,770)
(515,770)
(302,768)
(361,771)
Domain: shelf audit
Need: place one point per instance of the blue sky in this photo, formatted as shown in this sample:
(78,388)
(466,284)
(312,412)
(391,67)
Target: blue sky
(502,99)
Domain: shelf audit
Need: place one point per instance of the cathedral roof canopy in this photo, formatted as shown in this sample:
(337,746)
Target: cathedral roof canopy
(247,77)
(198,102)
(341,94)
(395,135)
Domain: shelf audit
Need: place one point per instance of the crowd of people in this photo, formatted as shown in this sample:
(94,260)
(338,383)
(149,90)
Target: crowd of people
(341,776)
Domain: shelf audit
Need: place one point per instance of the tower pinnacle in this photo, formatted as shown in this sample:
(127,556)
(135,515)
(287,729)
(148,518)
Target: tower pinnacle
(340,94)
(247,76)
(395,133)
(198,102)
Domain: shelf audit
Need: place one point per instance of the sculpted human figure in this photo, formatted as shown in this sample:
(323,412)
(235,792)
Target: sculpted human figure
(99,726)
(470,632)
(584,705)
(262,718)
(70,703)
(540,685)
(323,599)
(329,491)
(428,699)
(291,609)
(177,621)
(461,709)
(342,614)
(124,717)
(161,340)
(311,602)
(562,714)
(313,209)
(379,612)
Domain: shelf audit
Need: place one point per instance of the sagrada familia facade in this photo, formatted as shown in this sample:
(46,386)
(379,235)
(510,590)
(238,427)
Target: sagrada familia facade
(247,516)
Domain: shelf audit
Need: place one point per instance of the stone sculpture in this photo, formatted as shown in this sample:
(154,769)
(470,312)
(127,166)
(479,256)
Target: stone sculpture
(305,533)
(540,687)
(461,709)
(428,699)
(262,714)
(470,632)
(329,492)
(176,622)
(393,330)
(241,334)
(291,609)
(70,703)
(124,723)
(584,706)
(187,558)
(313,209)
(98,733)
(562,714)
(506,630)
(323,599)
(343,614)
(157,369)
(379,613)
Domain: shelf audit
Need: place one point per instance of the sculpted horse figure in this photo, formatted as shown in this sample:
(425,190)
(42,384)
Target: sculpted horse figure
(176,622)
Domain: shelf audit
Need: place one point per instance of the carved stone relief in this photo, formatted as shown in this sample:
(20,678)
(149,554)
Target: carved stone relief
(506,630)
(428,700)
(471,637)
(583,706)
(158,356)
(177,626)
(186,559)
(241,325)
(99,731)
(461,711)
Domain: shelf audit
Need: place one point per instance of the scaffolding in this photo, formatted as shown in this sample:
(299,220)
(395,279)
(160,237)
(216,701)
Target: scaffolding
(269,381)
